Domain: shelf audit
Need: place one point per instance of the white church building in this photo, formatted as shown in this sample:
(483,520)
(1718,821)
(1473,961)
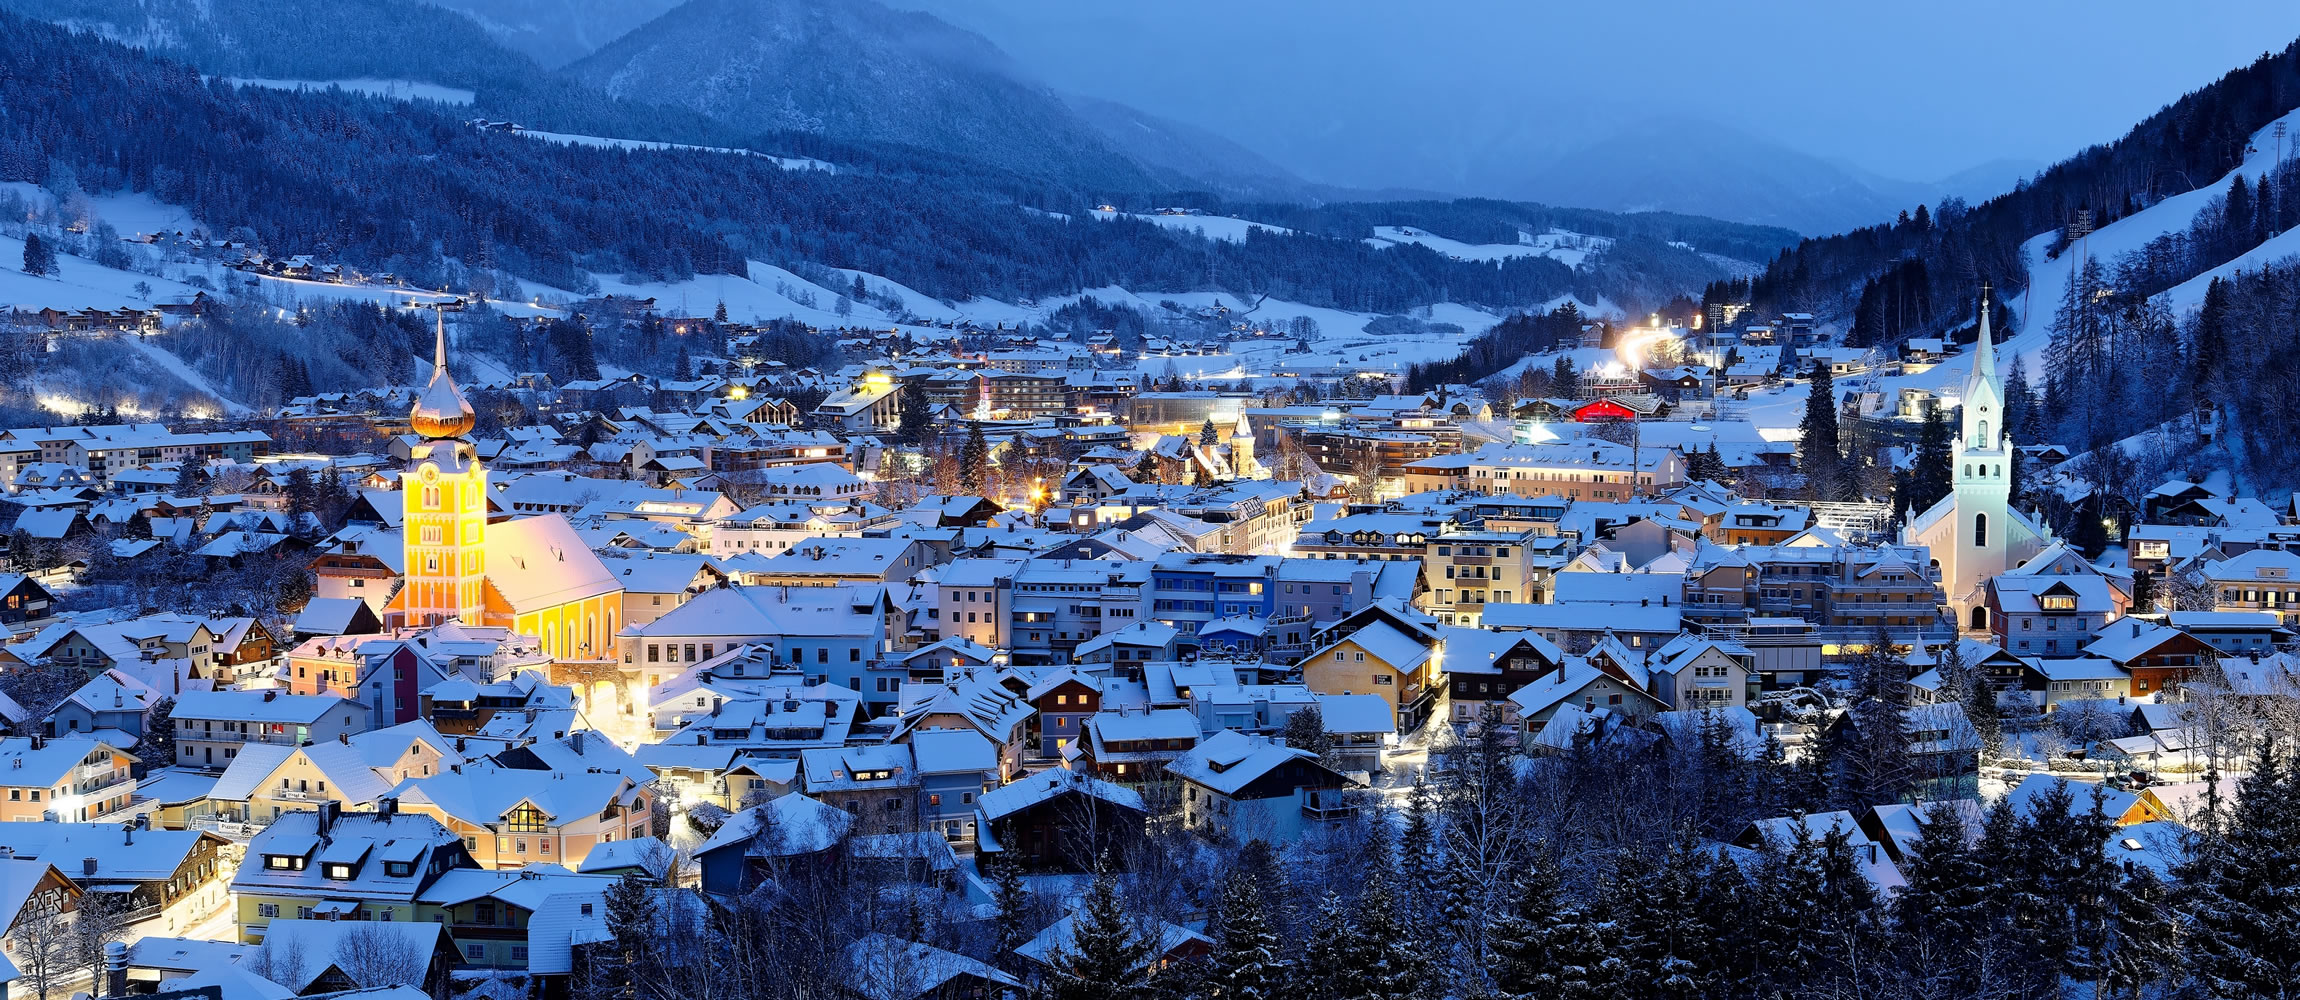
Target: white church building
(1974,533)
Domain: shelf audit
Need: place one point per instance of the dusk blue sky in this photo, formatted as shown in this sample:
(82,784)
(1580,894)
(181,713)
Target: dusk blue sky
(1373,93)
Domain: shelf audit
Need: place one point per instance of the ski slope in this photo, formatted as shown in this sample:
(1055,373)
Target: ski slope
(2048,282)
(2188,296)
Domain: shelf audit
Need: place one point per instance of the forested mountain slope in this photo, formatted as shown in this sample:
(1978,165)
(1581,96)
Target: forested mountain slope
(406,187)
(381,39)
(1947,251)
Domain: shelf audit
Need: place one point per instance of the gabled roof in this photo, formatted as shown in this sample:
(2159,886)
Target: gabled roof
(797,825)
(1230,760)
(1047,785)
(540,562)
(1401,651)
(885,967)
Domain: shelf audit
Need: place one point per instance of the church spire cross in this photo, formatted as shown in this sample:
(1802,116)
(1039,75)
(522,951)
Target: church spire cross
(1985,353)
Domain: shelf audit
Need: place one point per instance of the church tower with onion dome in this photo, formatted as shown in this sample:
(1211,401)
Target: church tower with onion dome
(444,490)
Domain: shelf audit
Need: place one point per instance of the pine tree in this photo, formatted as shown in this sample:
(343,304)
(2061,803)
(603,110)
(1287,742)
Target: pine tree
(719,315)
(158,748)
(974,461)
(1245,964)
(1813,781)
(1106,958)
(191,478)
(1562,378)
(2209,341)
(1846,911)
(1525,950)
(1146,470)
(1933,476)
(39,257)
(1207,435)
(1417,850)
(335,498)
(2238,885)
(1328,955)
(2143,593)
(1664,939)
(302,495)
(911,402)
(2145,946)
(1729,899)
(1943,910)
(1012,926)
(631,925)
(1819,455)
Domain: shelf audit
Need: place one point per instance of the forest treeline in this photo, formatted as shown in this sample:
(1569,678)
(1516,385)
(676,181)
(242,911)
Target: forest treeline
(407,187)
(2191,142)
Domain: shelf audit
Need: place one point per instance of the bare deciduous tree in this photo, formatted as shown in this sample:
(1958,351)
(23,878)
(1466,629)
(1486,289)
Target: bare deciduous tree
(41,946)
(375,954)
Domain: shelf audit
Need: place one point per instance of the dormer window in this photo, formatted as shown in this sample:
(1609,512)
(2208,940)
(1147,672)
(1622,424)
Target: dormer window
(284,862)
(337,871)
(399,869)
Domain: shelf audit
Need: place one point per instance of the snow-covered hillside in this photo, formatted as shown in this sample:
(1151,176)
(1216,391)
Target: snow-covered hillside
(1570,249)
(1218,227)
(2049,279)
(603,142)
(397,90)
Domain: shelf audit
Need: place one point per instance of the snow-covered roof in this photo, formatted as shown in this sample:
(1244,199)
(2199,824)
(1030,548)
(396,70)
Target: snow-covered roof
(1046,786)
(540,562)
(1356,715)
(796,825)
(1229,760)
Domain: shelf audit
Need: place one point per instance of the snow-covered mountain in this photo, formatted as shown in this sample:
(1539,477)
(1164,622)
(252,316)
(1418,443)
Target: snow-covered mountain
(1701,168)
(557,32)
(1196,157)
(857,71)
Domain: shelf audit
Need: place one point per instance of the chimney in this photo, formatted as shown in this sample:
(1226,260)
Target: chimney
(325,817)
(270,694)
(387,807)
(115,969)
(88,867)
(343,738)
(128,834)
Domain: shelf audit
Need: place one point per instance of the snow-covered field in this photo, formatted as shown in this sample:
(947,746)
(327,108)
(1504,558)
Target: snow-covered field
(128,212)
(1570,249)
(397,90)
(602,142)
(1218,227)
(78,284)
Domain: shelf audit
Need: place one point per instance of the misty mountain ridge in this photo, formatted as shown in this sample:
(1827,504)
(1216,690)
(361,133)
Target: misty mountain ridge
(557,32)
(1702,168)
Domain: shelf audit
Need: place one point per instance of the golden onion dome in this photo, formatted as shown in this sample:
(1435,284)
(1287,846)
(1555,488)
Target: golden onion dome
(440,410)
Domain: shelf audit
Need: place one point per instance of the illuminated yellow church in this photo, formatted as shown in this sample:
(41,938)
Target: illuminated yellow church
(533,575)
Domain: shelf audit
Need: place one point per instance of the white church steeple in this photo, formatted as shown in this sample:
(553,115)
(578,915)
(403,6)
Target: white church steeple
(1982,475)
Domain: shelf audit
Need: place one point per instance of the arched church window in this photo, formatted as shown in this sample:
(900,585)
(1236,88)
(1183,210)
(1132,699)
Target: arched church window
(1980,618)
(1980,529)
